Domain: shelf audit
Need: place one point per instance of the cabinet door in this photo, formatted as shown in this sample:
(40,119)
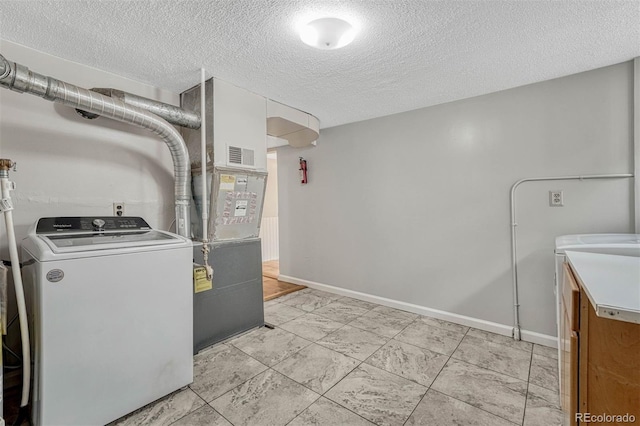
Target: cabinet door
(569,370)
(573,378)
(569,348)
(571,298)
(609,363)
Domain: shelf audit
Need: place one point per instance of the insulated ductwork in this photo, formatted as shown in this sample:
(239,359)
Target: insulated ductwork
(20,79)
(297,128)
(173,114)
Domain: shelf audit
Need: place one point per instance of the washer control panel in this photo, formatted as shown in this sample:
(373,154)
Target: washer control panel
(52,225)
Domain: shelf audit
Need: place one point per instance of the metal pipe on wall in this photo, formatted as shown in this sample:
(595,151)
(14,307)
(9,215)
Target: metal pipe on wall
(173,114)
(20,79)
(514,224)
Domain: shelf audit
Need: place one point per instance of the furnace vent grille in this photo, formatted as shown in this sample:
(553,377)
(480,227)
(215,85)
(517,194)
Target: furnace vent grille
(241,156)
(247,157)
(235,155)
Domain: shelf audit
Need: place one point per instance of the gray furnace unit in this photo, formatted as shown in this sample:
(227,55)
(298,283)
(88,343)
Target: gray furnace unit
(234,303)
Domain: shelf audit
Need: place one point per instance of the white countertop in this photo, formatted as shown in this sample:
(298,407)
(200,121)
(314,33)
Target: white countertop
(611,282)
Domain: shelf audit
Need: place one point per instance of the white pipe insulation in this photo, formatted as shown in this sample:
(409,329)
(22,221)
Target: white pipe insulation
(19,78)
(514,224)
(6,187)
(203,158)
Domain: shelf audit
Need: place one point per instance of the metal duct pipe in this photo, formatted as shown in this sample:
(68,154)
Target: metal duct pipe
(20,79)
(171,113)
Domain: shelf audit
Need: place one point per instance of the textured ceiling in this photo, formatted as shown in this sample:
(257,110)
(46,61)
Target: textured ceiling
(408,53)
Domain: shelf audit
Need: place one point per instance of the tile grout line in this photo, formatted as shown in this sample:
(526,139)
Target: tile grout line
(556,375)
(321,315)
(436,378)
(388,340)
(337,300)
(300,413)
(316,343)
(459,360)
(471,405)
(480,408)
(336,402)
(192,411)
(305,408)
(240,384)
(152,404)
(250,378)
(495,371)
(360,363)
(306,387)
(325,392)
(221,415)
(526,397)
(404,343)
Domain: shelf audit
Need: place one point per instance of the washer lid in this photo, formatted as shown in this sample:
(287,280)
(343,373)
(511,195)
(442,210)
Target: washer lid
(71,243)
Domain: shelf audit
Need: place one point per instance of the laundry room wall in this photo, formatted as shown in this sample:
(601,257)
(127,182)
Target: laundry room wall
(71,166)
(414,207)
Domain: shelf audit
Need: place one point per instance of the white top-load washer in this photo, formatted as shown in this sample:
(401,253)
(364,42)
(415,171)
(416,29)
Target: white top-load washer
(111,313)
(619,244)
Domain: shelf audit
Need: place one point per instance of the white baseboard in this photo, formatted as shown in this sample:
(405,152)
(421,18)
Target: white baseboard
(493,327)
(539,338)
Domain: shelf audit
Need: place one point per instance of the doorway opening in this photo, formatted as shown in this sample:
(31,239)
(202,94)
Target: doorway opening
(272,287)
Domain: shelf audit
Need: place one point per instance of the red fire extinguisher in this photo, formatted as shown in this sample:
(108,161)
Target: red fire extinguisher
(303,170)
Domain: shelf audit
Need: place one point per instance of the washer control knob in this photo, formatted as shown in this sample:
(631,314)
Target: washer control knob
(98,223)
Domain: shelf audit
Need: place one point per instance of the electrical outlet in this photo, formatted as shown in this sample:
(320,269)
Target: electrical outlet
(556,198)
(118,209)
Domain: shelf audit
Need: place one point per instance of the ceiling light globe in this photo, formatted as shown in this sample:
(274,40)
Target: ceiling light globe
(327,33)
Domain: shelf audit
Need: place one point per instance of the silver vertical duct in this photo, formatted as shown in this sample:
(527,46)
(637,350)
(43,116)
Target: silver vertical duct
(20,79)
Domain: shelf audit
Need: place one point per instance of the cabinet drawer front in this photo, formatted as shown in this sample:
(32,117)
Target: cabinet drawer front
(571,297)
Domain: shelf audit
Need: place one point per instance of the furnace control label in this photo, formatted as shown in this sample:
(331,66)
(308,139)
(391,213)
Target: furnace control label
(241,207)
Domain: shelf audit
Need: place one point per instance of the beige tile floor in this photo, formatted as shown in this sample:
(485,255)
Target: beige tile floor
(334,360)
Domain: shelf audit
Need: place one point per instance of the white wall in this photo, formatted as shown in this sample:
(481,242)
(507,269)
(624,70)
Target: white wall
(414,207)
(68,165)
(240,120)
(271,193)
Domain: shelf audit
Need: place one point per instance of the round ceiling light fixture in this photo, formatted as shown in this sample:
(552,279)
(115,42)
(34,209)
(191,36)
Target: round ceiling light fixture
(327,33)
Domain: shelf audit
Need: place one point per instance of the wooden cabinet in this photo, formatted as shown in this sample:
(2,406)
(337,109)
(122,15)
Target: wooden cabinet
(569,344)
(599,360)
